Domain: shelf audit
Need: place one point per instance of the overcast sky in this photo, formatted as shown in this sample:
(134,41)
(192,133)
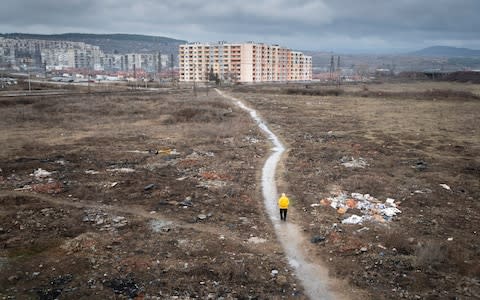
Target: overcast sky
(329,25)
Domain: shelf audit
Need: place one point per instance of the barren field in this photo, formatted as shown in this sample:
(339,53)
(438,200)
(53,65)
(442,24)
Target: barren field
(157,195)
(134,195)
(417,145)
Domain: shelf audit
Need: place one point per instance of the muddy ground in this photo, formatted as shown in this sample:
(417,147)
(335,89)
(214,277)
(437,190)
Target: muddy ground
(156,195)
(418,144)
(116,196)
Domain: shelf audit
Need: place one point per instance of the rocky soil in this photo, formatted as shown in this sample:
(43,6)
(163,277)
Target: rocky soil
(385,181)
(122,196)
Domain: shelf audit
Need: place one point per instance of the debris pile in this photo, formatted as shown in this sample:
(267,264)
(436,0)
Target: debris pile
(104,220)
(369,207)
(42,183)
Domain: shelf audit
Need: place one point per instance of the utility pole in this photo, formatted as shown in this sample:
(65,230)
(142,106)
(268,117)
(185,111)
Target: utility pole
(135,75)
(29,84)
(171,68)
(159,65)
(339,78)
(332,67)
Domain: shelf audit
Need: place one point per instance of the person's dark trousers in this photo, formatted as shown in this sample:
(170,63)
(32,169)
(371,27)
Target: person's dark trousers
(283,214)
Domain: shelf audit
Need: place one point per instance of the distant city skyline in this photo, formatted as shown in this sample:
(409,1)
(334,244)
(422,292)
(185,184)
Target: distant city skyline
(367,26)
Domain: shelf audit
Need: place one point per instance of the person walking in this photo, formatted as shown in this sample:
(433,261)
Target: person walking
(283,203)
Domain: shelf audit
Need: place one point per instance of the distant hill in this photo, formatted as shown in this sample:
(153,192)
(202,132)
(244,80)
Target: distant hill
(111,43)
(446,51)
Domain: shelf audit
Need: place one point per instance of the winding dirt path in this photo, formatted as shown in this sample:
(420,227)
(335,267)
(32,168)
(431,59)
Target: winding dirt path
(311,273)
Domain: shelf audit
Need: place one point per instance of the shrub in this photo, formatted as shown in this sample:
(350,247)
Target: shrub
(398,240)
(430,254)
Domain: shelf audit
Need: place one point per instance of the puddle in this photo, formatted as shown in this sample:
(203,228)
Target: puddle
(313,276)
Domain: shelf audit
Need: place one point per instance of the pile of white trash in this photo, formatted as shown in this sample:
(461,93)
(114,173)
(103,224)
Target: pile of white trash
(369,207)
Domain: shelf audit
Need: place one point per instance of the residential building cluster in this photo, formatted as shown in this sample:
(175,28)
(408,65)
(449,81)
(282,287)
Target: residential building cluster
(22,54)
(242,62)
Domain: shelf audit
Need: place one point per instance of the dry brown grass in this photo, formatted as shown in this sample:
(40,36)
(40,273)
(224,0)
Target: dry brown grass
(396,238)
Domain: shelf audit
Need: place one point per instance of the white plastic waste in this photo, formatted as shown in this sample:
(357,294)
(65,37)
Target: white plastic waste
(445,186)
(41,173)
(390,211)
(353,219)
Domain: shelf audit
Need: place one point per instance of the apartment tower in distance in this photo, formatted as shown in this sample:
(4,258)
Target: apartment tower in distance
(245,62)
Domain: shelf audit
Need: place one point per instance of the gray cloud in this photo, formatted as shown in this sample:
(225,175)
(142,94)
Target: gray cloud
(301,24)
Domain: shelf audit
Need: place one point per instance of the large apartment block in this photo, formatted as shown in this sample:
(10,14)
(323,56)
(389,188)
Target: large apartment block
(246,62)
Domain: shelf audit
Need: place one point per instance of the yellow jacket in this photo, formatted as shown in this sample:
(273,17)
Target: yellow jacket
(283,202)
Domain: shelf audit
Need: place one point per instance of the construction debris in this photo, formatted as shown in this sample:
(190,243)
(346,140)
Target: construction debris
(371,208)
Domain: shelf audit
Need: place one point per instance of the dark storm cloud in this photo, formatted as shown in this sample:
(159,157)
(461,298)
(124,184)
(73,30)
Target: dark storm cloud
(306,24)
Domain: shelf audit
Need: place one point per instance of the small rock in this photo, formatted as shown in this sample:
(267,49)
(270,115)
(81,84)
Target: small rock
(317,239)
(201,217)
(149,187)
(118,219)
(187,202)
(274,272)
(420,165)
(363,249)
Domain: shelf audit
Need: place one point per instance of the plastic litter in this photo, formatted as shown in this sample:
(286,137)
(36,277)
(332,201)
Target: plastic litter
(121,170)
(443,185)
(371,208)
(390,211)
(353,163)
(353,219)
(91,172)
(41,173)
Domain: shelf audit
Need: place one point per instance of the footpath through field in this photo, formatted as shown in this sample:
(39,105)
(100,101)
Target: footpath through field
(313,276)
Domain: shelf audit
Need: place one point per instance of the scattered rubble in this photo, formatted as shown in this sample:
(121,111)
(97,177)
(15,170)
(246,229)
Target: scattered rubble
(256,240)
(104,220)
(121,170)
(371,208)
(54,288)
(125,286)
(353,163)
(160,226)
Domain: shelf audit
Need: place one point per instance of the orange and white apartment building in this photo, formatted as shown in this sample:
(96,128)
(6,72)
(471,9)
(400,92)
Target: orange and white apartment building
(245,62)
